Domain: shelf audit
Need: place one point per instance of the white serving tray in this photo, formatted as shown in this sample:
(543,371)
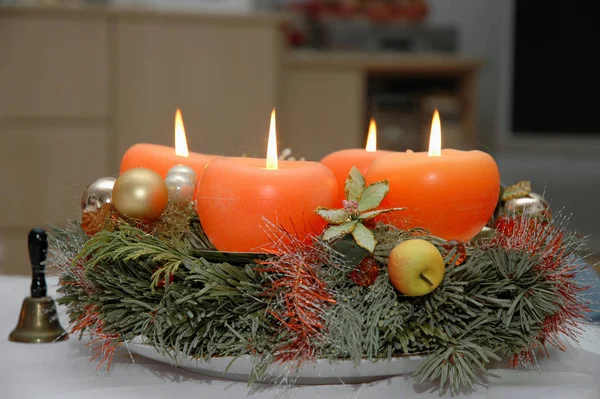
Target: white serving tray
(322,372)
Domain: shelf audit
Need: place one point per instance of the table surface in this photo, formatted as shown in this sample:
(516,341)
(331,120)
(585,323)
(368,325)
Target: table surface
(63,370)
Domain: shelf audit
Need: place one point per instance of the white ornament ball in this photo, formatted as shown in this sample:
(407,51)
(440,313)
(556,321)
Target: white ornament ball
(183,170)
(181,188)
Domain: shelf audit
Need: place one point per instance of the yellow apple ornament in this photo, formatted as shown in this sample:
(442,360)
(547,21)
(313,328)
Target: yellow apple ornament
(416,267)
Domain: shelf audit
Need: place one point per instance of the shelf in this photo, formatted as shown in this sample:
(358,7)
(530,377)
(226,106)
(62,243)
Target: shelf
(426,64)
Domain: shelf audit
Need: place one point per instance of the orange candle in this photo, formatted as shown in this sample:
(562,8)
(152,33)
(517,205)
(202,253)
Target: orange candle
(340,162)
(161,158)
(238,198)
(448,192)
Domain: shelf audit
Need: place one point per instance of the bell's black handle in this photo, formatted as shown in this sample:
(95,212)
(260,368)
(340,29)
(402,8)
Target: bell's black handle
(37,242)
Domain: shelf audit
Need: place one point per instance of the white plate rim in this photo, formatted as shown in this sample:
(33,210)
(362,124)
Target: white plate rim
(321,372)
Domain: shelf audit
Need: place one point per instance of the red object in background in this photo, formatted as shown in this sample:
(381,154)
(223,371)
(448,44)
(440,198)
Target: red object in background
(416,11)
(295,37)
(376,10)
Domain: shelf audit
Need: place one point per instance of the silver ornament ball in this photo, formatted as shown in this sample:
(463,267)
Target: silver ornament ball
(185,171)
(181,188)
(97,194)
(532,205)
(486,233)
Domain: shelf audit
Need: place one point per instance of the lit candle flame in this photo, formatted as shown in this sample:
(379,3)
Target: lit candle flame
(272,144)
(435,137)
(372,137)
(181,147)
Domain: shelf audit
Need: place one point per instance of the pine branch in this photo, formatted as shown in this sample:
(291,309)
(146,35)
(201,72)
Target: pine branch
(187,299)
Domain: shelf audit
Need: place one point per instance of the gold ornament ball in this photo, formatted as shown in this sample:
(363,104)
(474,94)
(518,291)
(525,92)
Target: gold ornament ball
(416,267)
(140,193)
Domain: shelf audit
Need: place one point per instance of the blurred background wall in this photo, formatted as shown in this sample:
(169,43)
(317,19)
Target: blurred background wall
(567,166)
(82,81)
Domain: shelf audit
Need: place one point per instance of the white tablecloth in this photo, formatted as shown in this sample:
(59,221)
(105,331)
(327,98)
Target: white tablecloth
(63,370)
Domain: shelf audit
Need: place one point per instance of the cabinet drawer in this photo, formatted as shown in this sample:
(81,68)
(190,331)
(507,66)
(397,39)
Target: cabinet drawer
(53,66)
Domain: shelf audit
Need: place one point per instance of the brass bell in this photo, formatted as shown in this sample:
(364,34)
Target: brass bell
(38,321)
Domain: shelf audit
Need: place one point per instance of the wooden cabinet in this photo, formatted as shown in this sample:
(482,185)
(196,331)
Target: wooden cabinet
(79,86)
(54,120)
(222,73)
(324,104)
(53,66)
(321,110)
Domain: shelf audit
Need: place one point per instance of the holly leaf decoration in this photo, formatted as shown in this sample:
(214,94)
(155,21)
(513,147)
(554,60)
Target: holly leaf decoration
(355,185)
(364,237)
(333,216)
(339,230)
(359,206)
(371,214)
(373,195)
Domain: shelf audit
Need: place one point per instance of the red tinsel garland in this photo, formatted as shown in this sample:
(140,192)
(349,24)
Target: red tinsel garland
(559,262)
(301,296)
(104,345)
